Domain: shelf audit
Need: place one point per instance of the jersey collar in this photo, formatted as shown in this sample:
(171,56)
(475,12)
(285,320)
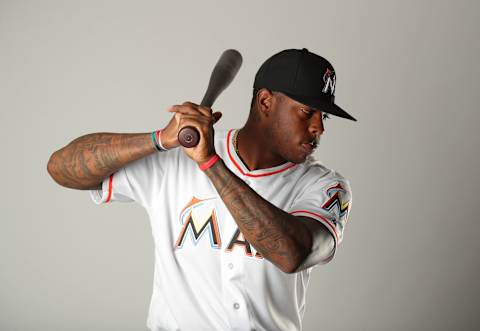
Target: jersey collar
(238,163)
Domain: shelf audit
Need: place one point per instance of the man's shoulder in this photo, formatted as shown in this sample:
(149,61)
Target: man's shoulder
(220,140)
(315,171)
(221,134)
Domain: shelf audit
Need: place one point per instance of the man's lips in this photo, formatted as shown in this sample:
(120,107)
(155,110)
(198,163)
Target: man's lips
(309,147)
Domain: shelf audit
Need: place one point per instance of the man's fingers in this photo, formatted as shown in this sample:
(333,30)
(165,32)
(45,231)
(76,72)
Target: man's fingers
(181,109)
(182,119)
(191,109)
(203,125)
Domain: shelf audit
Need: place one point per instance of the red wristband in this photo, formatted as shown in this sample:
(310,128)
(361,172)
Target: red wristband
(209,163)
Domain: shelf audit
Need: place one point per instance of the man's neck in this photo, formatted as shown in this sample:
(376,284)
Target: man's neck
(255,149)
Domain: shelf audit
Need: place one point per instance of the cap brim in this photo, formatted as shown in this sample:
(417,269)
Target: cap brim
(322,105)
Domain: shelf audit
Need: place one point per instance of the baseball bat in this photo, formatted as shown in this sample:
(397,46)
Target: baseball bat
(222,75)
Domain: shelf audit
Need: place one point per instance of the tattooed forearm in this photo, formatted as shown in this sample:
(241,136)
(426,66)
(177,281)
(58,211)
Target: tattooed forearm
(274,233)
(87,160)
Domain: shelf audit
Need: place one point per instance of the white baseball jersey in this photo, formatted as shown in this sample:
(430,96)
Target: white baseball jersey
(207,277)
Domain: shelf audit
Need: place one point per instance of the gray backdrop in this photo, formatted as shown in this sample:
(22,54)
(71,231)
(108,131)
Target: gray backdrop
(407,70)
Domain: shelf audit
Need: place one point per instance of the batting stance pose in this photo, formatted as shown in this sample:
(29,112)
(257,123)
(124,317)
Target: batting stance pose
(239,220)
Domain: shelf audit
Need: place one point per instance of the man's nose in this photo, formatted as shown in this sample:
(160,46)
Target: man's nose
(316,124)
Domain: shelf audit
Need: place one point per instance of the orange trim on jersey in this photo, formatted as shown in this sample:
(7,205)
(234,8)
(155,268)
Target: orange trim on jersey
(110,182)
(328,223)
(252,175)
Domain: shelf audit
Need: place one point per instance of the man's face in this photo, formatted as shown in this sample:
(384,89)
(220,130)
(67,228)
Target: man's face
(295,127)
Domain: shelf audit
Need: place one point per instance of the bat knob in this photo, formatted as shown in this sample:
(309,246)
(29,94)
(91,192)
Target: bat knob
(188,137)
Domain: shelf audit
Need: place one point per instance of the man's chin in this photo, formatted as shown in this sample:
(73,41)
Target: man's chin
(299,159)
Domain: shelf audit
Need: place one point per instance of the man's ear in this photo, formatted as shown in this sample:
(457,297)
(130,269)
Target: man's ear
(265,101)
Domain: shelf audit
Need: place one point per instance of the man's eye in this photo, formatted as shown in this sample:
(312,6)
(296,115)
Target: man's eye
(306,111)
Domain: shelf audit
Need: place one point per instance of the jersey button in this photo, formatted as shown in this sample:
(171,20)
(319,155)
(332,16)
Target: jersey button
(230,266)
(236,305)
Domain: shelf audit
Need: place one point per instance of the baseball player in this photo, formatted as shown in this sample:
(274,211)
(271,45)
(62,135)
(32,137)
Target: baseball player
(240,220)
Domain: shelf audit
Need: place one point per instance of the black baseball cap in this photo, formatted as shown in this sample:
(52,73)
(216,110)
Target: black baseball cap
(303,76)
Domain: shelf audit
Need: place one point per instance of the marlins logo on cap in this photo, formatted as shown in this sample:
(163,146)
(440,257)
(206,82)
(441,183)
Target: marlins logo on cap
(329,80)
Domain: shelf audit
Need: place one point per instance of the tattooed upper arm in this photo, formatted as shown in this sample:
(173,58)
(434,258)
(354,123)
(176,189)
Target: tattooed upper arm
(98,187)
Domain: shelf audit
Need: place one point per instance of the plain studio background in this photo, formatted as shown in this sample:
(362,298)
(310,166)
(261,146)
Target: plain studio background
(408,71)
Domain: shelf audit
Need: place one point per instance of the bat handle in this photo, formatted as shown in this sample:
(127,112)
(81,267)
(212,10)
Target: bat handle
(188,137)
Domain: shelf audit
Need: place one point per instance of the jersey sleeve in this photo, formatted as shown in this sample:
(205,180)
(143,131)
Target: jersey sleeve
(328,201)
(136,182)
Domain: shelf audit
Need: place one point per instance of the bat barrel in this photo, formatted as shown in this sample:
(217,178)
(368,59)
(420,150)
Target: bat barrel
(222,75)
